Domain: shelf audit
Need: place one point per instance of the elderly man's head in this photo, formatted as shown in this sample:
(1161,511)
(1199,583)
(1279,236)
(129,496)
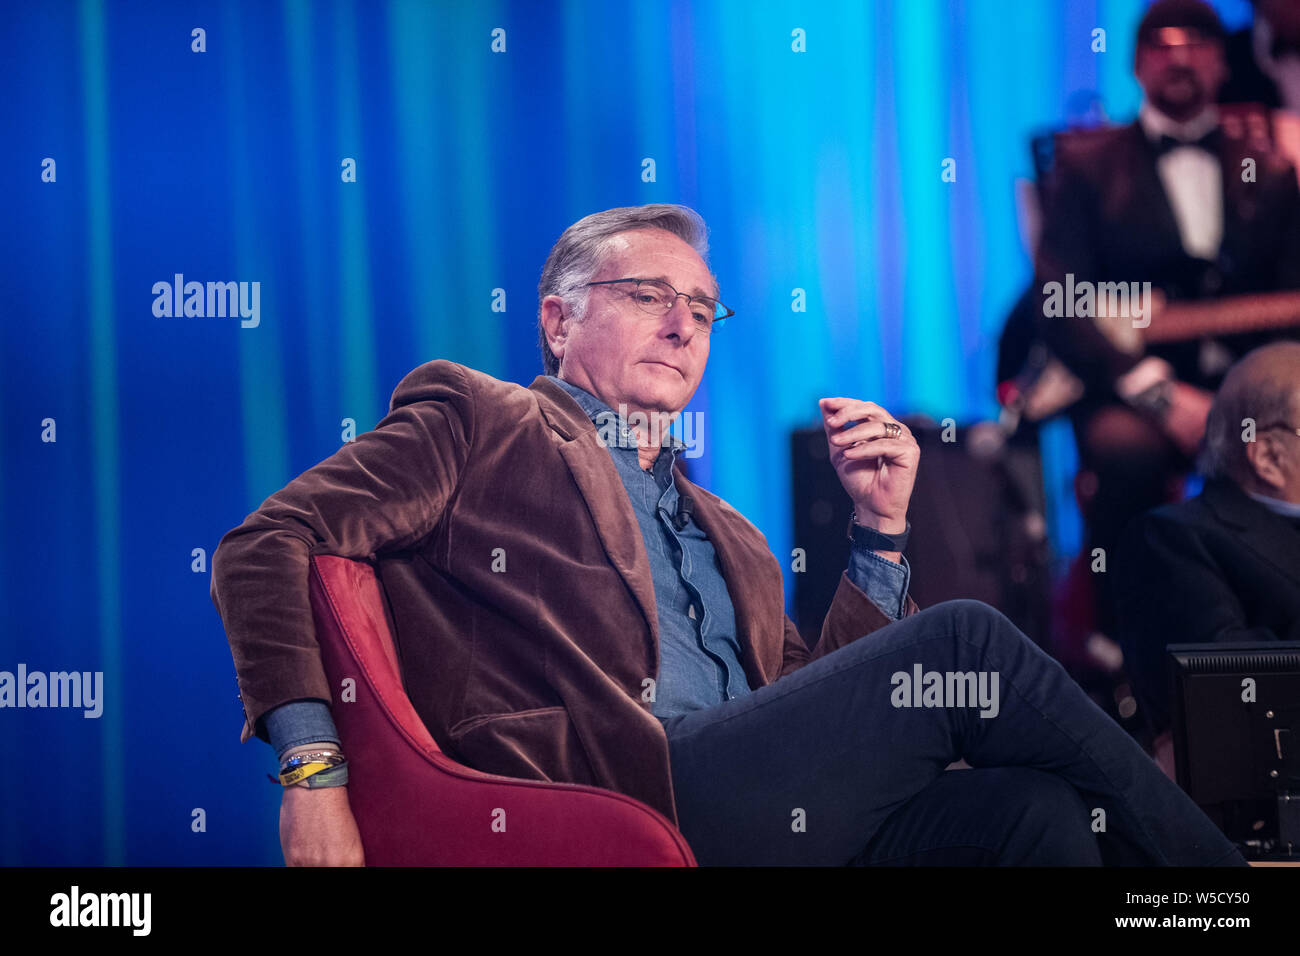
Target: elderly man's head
(607,338)
(1264,389)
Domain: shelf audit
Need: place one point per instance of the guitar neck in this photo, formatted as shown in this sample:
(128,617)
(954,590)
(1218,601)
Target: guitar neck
(1180,321)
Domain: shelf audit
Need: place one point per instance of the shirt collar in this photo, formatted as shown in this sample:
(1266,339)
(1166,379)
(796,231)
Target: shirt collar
(599,413)
(1277,505)
(1156,124)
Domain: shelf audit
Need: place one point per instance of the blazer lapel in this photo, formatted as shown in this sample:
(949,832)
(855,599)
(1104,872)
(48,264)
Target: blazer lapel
(756,601)
(1240,199)
(602,489)
(1263,532)
(1151,203)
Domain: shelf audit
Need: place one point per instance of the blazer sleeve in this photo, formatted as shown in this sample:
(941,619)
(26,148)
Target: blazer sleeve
(1068,245)
(1287,275)
(851,616)
(385,491)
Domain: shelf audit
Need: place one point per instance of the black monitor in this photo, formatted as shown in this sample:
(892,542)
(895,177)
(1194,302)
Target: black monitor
(1237,740)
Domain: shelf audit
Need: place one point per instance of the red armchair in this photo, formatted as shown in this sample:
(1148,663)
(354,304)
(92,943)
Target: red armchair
(416,806)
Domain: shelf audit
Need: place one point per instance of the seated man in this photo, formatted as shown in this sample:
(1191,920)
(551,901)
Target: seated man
(568,606)
(1224,566)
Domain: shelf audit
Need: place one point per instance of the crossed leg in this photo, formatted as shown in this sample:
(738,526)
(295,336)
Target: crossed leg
(990,816)
(822,768)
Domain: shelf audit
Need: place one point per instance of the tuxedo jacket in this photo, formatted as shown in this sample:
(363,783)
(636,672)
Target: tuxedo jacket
(1107,218)
(1220,567)
(535,671)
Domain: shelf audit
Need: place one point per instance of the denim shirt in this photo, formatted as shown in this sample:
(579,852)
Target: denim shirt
(699,650)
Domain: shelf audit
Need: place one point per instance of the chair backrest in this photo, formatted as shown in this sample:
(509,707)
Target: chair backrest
(413,804)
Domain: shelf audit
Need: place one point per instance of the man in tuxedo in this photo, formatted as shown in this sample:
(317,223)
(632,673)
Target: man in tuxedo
(1196,209)
(561,614)
(1224,566)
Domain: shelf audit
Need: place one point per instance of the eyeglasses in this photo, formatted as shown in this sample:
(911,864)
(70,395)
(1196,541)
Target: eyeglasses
(658,297)
(1167,39)
(1282,425)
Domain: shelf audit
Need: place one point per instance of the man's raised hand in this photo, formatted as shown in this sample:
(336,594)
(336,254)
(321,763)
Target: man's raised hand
(877,471)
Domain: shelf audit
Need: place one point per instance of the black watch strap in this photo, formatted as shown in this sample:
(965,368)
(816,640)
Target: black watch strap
(1154,399)
(874,540)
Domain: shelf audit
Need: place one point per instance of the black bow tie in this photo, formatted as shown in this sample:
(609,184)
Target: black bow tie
(1210,142)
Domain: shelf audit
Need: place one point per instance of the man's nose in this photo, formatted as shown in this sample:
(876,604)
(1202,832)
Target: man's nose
(681,320)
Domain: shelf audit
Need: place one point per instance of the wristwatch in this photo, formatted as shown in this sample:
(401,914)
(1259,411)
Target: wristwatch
(874,540)
(1154,399)
(1148,386)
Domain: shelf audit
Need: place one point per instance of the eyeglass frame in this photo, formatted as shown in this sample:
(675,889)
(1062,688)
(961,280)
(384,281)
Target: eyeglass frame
(1285,426)
(714,324)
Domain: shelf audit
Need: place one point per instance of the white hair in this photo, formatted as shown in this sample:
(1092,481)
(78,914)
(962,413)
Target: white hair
(581,251)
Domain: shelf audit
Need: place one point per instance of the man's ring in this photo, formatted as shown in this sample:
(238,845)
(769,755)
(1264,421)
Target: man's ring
(893,429)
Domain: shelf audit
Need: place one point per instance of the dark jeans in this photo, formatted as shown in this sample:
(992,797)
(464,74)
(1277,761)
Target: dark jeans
(821,767)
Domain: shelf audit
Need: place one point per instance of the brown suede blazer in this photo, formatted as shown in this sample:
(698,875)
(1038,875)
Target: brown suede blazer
(520,588)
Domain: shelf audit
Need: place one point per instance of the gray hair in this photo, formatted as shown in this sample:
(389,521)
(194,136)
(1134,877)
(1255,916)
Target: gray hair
(1258,387)
(580,252)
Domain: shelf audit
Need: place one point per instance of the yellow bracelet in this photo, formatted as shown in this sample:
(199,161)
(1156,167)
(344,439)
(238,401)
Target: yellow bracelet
(301,766)
(301,773)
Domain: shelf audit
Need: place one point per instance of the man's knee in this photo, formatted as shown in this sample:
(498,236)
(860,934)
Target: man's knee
(985,630)
(970,617)
(993,635)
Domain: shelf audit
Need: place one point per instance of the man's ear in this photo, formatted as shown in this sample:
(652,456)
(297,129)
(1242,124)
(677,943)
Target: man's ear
(555,321)
(1265,457)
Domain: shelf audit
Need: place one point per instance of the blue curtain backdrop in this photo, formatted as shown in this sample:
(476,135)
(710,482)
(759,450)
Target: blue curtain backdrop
(817,170)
